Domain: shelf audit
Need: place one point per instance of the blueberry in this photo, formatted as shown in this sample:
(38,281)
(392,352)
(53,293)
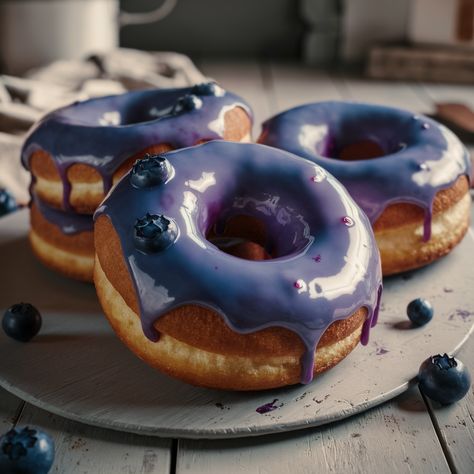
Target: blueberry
(444,379)
(21,321)
(208,88)
(154,233)
(187,103)
(26,451)
(7,202)
(419,311)
(150,171)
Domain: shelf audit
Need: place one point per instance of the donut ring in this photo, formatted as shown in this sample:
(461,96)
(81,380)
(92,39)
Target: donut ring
(76,153)
(189,308)
(407,172)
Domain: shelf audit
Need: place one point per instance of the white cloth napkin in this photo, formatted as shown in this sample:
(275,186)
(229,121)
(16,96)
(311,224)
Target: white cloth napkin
(24,100)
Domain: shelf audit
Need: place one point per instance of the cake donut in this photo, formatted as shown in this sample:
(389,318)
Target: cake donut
(236,266)
(75,155)
(407,172)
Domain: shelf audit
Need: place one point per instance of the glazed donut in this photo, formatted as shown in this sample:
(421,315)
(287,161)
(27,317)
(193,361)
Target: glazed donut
(233,263)
(76,153)
(407,172)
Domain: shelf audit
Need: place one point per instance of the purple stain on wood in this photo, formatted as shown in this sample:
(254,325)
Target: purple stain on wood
(380,350)
(463,314)
(267,407)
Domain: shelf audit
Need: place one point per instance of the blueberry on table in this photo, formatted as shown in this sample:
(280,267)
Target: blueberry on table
(150,171)
(444,379)
(420,311)
(22,322)
(26,451)
(7,202)
(154,233)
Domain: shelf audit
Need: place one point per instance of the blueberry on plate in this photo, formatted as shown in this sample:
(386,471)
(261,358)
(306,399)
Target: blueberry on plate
(22,322)
(7,202)
(420,311)
(154,233)
(150,171)
(444,379)
(26,451)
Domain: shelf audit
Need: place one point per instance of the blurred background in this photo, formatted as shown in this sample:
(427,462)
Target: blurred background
(413,54)
(372,33)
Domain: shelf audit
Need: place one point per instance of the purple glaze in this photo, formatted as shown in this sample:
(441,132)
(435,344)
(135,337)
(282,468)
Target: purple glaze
(421,156)
(218,180)
(103,133)
(69,223)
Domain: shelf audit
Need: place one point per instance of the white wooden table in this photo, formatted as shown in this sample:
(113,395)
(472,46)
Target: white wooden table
(407,434)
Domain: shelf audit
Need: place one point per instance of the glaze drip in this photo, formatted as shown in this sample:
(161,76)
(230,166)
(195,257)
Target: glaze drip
(304,218)
(103,133)
(69,223)
(421,156)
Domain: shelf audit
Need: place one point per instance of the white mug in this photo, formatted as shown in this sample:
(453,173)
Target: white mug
(36,32)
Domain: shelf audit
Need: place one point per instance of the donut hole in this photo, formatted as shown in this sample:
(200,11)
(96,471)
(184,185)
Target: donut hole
(358,149)
(365,135)
(243,237)
(148,107)
(362,150)
(137,115)
(259,229)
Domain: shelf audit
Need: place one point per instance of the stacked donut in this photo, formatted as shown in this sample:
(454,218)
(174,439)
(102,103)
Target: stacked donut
(75,155)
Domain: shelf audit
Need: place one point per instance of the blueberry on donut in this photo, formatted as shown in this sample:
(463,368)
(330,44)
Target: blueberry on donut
(240,271)
(407,172)
(76,153)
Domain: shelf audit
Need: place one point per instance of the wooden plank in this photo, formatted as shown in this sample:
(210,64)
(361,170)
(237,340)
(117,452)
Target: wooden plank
(244,78)
(294,84)
(86,449)
(395,437)
(436,63)
(455,423)
(10,407)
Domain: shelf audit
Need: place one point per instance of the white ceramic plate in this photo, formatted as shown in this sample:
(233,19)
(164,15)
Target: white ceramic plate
(78,369)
